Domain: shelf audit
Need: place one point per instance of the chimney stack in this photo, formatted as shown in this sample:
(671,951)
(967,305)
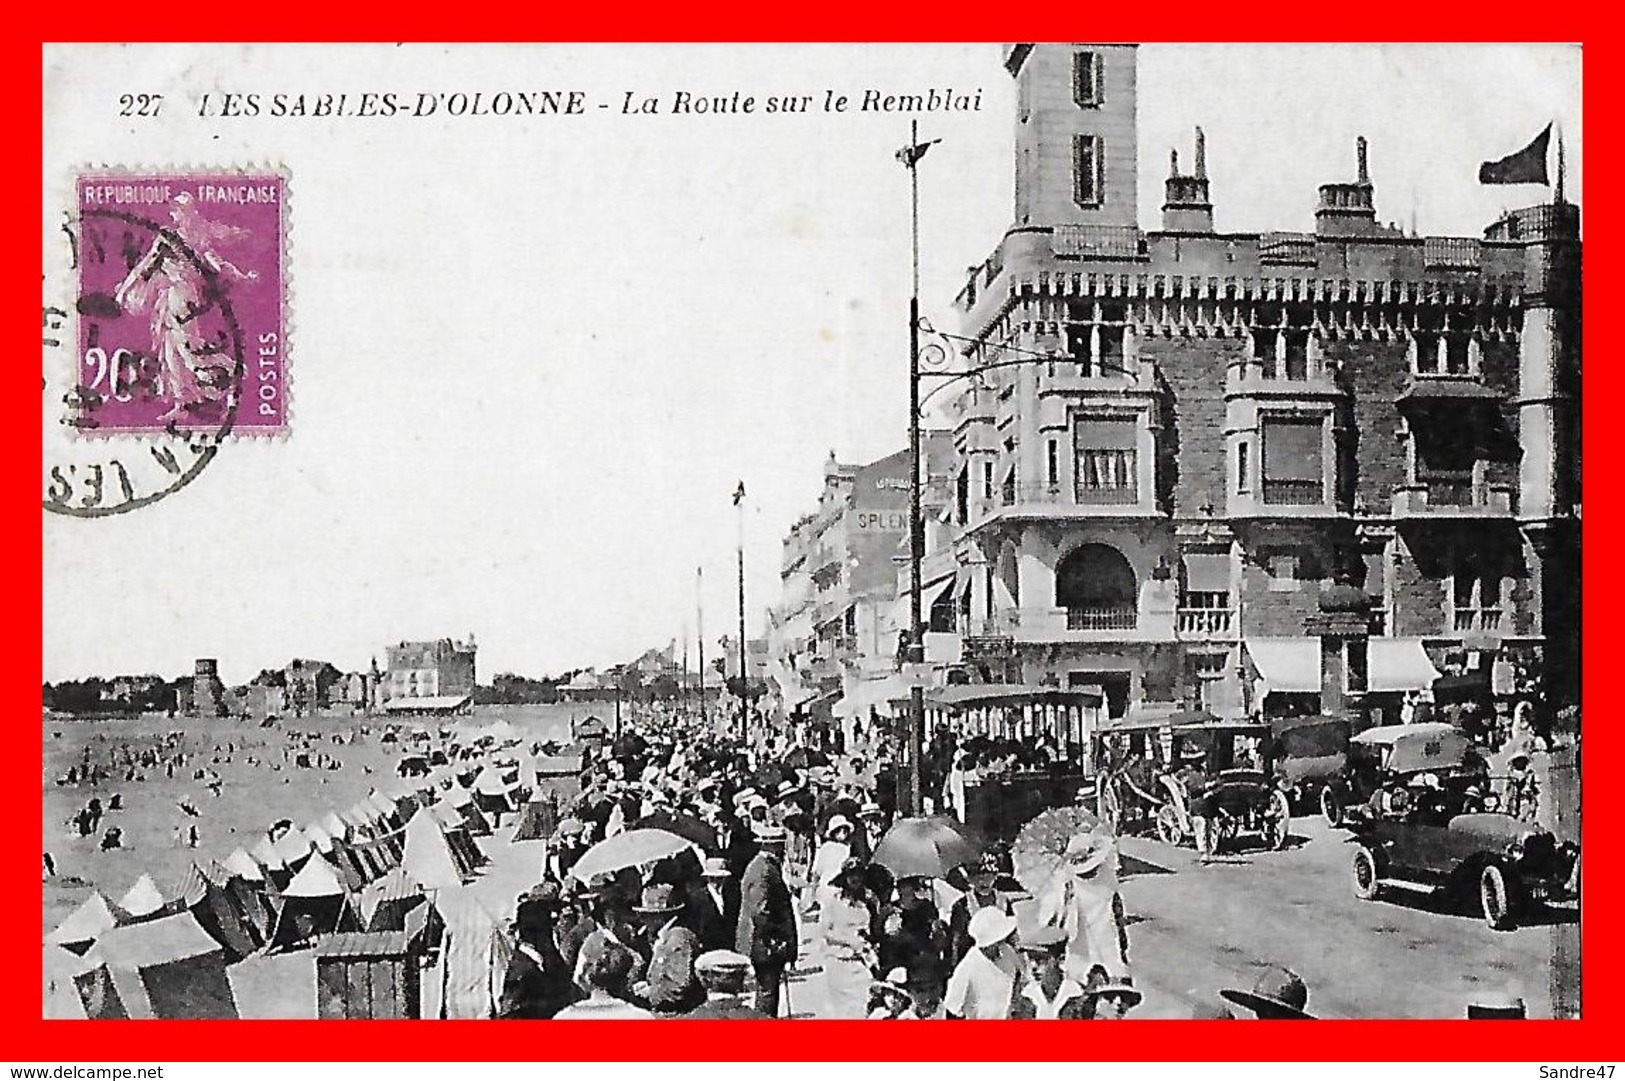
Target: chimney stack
(1187,207)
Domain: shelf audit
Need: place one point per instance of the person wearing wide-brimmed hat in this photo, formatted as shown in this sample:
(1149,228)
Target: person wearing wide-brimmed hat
(983,878)
(1110,997)
(767,922)
(1083,901)
(983,984)
(1277,994)
(1048,993)
(537,984)
(670,986)
(848,956)
(890,998)
(833,852)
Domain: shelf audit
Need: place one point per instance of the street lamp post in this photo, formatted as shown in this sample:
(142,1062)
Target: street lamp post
(912,797)
(744,698)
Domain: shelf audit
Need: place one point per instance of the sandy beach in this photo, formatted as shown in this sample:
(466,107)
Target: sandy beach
(252,795)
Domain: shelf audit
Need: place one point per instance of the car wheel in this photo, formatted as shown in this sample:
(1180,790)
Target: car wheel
(1278,821)
(1331,806)
(1495,898)
(1367,875)
(1169,829)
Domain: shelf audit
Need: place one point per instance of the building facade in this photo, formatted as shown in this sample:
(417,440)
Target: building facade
(439,669)
(1254,472)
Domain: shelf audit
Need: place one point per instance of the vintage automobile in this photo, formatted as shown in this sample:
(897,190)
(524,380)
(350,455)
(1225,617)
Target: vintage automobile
(1309,752)
(1217,783)
(1511,865)
(1398,764)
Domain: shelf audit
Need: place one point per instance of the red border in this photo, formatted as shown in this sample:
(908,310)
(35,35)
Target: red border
(26,1037)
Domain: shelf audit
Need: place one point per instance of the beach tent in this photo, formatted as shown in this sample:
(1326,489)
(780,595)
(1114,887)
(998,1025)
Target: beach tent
(476,950)
(166,968)
(429,861)
(537,821)
(314,903)
(343,860)
(241,865)
(335,826)
(276,868)
(220,914)
(62,1001)
(383,807)
(386,903)
(247,885)
(143,901)
(319,838)
(86,923)
(293,847)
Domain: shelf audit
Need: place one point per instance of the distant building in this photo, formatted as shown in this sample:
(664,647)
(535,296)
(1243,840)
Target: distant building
(429,676)
(258,701)
(206,695)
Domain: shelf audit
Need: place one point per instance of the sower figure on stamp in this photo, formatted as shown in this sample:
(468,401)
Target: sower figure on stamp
(175,291)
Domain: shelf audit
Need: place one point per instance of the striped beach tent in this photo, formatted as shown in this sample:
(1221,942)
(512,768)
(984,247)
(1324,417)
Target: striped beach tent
(86,923)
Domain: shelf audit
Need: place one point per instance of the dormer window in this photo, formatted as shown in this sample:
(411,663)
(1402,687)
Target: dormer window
(1088,88)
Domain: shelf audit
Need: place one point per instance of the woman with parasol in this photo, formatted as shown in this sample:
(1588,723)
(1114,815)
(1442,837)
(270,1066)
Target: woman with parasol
(1068,859)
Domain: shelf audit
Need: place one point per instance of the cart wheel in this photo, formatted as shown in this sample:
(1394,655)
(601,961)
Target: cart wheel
(1495,897)
(1169,829)
(1278,823)
(1331,806)
(1367,875)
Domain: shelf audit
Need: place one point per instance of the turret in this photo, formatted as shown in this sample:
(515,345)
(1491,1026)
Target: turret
(1187,207)
(1350,209)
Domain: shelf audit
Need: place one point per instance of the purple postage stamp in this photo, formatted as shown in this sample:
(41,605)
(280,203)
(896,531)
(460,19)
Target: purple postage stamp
(181,302)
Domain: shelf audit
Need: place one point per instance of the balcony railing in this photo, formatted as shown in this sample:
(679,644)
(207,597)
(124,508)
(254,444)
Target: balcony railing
(1468,620)
(1101,495)
(1293,493)
(1113,617)
(1204,622)
(1449,496)
(1450,493)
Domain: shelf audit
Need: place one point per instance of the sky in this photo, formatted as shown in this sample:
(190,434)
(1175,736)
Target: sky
(533,357)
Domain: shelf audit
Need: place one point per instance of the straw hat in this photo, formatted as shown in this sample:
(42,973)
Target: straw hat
(837,822)
(1277,993)
(715,867)
(660,899)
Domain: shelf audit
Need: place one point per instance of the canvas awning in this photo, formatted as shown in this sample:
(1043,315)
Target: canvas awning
(931,593)
(1288,665)
(444,703)
(1398,664)
(876,693)
(1008,694)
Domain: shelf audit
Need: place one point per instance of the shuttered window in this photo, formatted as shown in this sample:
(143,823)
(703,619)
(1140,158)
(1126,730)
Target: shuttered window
(1294,469)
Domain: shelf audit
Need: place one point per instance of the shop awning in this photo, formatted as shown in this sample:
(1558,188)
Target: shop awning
(930,594)
(968,695)
(876,693)
(1288,665)
(1398,664)
(1207,572)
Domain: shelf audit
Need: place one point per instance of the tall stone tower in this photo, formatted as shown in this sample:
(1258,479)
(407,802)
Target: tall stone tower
(1076,151)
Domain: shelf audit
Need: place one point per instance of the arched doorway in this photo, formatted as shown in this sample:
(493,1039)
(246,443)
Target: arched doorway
(1096,586)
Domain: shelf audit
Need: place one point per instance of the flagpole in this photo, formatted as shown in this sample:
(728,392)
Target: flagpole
(1560,163)
(744,697)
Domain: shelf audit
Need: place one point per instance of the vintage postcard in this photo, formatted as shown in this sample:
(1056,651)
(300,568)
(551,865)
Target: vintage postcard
(1027,530)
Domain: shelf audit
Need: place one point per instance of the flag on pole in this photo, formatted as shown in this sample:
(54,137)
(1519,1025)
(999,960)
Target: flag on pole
(739,494)
(910,155)
(1527,166)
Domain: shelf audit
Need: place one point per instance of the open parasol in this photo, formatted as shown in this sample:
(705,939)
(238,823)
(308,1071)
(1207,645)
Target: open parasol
(924,848)
(1041,845)
(634,848)
(685,826)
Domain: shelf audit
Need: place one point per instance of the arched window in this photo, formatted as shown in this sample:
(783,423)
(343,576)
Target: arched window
(1096,586)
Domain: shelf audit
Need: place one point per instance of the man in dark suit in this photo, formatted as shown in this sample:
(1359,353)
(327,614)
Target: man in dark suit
(670,986)
(734,843)
(767,925)
(713,906)
(537,984)
(722,974)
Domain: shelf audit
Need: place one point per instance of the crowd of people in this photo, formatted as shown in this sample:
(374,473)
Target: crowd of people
(789,871)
